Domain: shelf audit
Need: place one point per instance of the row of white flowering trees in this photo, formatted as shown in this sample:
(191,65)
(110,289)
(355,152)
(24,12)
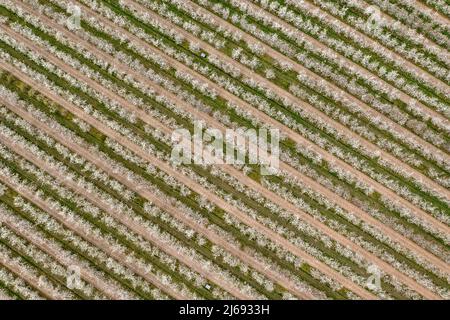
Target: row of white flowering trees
(118,95)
